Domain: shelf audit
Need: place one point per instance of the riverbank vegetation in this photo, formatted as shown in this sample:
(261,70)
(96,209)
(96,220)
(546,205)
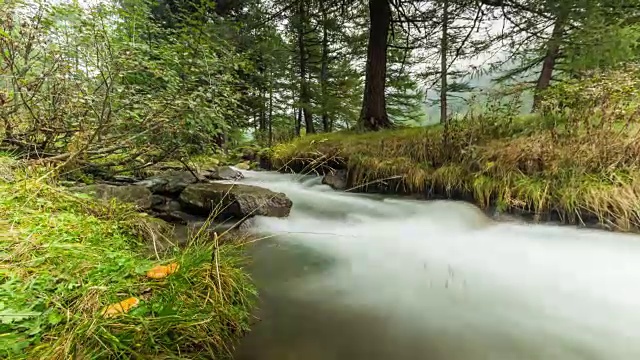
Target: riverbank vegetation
(575,161)
(65,259)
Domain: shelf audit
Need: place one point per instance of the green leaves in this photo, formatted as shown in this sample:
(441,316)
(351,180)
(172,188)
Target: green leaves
(19,327)
(111,69)
(54,318)
(10,316)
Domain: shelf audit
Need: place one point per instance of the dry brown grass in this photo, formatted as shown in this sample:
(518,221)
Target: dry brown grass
(579,159)
(579,177)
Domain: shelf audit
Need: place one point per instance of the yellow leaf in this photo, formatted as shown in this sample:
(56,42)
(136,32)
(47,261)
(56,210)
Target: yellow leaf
(121,307)
(162,271)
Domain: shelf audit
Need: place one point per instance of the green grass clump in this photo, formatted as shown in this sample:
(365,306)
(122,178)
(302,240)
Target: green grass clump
(63,259)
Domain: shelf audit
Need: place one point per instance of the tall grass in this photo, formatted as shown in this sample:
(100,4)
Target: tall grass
(578,160)
(63,259)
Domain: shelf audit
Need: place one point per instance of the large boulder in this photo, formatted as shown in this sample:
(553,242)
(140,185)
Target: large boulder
(171,182)
(224,173)
(135,194)
(234,200)
(336,179)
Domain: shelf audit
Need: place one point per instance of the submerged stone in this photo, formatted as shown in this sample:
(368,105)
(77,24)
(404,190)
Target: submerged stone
(336,179)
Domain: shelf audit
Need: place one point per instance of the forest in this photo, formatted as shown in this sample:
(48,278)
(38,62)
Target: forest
(521,106)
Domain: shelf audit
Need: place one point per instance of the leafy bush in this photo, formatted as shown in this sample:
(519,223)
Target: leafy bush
(106,83)
(602,100)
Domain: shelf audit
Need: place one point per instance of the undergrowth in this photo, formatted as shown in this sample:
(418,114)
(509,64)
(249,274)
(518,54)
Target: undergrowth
(578,160)
(63,259)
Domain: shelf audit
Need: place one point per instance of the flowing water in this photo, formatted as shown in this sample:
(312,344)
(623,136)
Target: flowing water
(365,277)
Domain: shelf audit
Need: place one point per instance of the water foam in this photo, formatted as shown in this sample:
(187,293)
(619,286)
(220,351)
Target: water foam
(445,271)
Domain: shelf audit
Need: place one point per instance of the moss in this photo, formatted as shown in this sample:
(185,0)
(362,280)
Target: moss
(517,164)
(65,258)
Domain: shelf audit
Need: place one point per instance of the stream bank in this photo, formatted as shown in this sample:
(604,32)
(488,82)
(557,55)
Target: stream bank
(75,275)
(502,167)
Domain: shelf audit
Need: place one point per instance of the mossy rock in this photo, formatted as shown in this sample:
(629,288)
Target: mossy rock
(243,166)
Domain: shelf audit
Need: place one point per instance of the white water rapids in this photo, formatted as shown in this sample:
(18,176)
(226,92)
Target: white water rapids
(365,277)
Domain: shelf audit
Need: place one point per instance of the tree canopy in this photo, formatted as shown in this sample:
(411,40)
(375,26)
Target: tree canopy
(129,82)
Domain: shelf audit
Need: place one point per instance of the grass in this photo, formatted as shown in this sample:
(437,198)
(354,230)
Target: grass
(548,166)
(63,259)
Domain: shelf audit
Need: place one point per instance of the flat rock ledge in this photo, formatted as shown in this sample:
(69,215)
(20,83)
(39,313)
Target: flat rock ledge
(186,199)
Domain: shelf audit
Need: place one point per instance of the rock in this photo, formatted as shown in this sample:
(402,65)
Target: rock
(174,205)
(246,225)
(209,229)
(224,173)
(249,154)
(125,179)
(158,200)
(67,183)
(178,217)
(234,200)
(265,163)
(167,205)
(336,179)
(217,227)
(165,166)
(243,166)
(172,182)
(159,235)
(135,194)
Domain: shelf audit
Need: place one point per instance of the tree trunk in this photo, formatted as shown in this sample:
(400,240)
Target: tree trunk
(255,123)
(297,114)
(304,86)
(324,70)
(374,108)
(549,63)
(270,141)
(262,117)
(444,47)
(298,122)
(443,63)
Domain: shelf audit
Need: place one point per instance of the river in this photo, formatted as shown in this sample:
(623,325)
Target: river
(350,276)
